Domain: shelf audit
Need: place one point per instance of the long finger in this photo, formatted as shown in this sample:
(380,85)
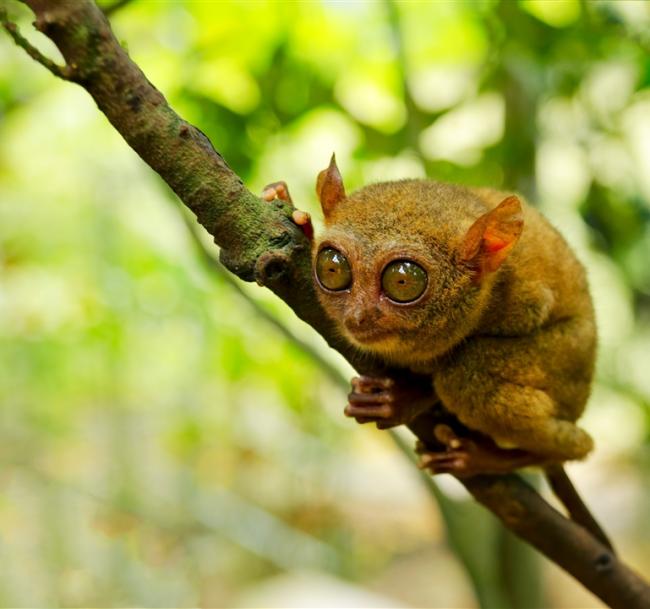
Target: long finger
(370,398)
(382,411)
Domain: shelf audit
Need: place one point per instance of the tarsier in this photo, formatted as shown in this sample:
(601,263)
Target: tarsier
(474,290)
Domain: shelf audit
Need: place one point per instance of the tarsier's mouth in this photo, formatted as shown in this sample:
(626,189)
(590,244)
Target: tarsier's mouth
(371,335)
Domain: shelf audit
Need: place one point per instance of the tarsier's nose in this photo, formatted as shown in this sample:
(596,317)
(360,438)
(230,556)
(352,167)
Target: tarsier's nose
(360,319)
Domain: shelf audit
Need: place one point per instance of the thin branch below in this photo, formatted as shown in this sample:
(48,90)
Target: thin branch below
(12,29)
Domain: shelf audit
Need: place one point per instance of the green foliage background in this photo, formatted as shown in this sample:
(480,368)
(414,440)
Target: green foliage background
(160,443)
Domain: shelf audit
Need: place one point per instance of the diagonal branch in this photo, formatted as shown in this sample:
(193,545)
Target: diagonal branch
(259,242)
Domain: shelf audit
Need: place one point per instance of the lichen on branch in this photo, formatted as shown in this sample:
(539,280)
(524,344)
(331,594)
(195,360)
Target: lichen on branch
(243,224)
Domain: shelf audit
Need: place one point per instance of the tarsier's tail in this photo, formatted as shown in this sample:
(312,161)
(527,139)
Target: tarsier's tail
(565,491)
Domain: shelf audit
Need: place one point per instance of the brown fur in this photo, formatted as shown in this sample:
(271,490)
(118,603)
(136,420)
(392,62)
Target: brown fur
(511,353)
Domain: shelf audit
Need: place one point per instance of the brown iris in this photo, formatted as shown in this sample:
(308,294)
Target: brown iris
(403,281)
(333,269)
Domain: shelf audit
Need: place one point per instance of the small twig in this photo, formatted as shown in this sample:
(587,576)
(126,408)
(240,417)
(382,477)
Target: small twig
(116,6)
(12,29)
(272,552)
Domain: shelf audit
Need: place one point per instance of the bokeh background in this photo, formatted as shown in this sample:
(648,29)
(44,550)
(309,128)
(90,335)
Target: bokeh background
(163,441)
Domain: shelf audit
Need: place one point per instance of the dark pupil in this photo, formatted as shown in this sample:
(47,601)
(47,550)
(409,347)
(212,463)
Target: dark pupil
(333,269)
(404,281)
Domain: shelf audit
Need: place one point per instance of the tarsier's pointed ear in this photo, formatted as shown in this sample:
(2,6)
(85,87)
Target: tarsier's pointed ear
(329,188)
(490,239)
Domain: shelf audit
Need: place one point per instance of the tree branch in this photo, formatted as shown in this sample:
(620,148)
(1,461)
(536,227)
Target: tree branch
(261,243)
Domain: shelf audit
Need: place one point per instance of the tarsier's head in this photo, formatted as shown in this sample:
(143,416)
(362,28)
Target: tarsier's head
(405,268)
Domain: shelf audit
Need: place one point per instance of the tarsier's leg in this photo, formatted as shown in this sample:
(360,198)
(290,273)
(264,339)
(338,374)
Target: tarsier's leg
(506,414)
(525,417)
(280,190)
(387,401)
(523,392)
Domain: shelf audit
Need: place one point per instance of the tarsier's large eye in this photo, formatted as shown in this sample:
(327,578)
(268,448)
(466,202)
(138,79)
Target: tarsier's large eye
(333,269)
(403,281)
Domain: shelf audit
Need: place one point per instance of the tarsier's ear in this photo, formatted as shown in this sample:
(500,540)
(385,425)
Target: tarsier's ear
(490,239)
(329,188)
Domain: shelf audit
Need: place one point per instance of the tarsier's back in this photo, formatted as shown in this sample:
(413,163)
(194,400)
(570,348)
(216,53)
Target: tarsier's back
(472,287)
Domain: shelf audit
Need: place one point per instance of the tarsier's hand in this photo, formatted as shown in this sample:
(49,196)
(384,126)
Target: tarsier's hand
(387,402)
(280,190)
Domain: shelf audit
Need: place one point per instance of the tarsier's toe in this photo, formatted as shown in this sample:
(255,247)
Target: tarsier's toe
(455,458)
(269,193)
(447,462)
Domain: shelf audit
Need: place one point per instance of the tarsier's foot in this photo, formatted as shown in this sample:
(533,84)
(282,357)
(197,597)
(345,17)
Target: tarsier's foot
(384,401)
(470,456)
(280,190)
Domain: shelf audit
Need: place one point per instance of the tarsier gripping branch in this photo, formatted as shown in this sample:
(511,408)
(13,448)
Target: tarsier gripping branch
(473,289)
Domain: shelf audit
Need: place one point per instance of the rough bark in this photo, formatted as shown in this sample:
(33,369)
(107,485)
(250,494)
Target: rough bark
(259,242)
